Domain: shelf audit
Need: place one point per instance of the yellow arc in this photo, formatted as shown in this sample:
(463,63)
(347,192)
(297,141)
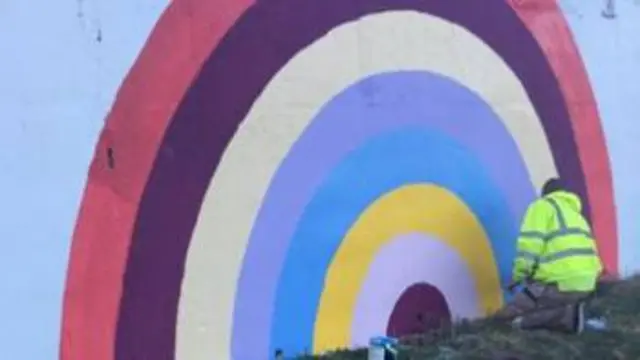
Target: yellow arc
(422,208)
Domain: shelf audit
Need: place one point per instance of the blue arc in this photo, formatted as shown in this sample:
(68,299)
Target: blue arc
(412,155)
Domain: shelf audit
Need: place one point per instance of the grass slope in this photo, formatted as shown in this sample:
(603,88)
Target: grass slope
(487,340)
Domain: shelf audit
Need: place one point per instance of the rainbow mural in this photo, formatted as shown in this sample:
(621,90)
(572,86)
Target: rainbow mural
(302,175)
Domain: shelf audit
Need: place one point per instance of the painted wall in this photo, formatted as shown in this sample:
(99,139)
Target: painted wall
(224,179)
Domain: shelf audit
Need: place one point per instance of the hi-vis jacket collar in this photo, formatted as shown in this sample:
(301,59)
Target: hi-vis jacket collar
(566,198)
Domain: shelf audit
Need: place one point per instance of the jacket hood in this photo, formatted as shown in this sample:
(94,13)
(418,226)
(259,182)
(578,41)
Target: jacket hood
(567,198)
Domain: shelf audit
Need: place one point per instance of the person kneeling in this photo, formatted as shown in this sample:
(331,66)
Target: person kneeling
(557,264)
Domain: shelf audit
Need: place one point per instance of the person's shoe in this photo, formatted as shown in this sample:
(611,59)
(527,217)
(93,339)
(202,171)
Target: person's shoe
(596,324)
(579,322)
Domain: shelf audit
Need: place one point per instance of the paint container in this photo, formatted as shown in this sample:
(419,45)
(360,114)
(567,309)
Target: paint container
(383,348)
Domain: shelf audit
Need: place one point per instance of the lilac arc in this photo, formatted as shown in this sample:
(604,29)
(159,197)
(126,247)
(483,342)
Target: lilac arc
(407,260)
(344,124)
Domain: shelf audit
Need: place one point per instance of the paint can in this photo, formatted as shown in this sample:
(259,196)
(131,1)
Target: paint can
(382,348)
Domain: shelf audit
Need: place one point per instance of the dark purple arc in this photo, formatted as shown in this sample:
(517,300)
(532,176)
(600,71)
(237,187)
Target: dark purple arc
(421,307)
(262,41)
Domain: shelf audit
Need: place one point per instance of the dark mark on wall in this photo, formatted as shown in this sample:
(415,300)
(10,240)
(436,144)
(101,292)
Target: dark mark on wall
(111,161)
(99,35)
(80,12)
(610,9)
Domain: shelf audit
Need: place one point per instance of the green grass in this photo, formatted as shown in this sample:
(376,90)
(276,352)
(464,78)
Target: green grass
(489,340)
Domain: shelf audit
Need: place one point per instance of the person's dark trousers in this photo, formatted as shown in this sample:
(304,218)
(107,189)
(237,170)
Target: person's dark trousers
(544,306)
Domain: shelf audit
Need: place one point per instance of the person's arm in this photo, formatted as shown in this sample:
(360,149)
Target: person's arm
(531,240)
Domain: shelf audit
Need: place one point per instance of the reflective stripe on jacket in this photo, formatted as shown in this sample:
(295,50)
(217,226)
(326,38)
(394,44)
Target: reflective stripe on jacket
(556,246)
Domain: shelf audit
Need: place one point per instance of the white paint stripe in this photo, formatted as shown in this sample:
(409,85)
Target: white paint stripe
(401,40)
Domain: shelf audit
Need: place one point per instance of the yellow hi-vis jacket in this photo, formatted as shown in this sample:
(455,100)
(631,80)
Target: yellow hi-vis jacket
(555,245)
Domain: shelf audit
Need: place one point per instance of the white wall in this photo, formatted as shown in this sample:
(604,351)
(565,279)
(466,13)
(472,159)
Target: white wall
(61,63)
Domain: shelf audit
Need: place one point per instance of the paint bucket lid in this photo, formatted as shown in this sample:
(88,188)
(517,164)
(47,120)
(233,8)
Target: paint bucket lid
(383,341)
